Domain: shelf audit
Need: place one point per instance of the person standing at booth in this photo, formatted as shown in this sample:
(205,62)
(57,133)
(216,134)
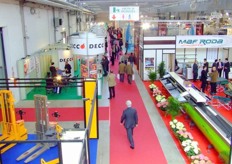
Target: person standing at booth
(226,68)
(67,68)
(213,82)
(203,79)
(195,71)
(220,67)
(53,70)
(206,64)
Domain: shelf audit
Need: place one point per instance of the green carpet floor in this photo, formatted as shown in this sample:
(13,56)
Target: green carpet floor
(67,93)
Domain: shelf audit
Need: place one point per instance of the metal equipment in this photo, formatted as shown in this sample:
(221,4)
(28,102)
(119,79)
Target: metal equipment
(44,130)
(11,129)
(209,121)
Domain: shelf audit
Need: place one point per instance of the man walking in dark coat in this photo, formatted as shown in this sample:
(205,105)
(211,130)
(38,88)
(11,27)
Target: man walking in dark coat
(130,120)
(226,68)
(220,67)
(195,71)
(203,79)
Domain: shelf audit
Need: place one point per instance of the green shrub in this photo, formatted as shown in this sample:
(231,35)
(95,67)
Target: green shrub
(161,69)
(173,108)
(152,75)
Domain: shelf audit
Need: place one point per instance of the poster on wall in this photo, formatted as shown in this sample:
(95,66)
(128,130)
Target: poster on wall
(89,67)
(65,56)
(29,66)
(162,29)
(199,29)
(149,62)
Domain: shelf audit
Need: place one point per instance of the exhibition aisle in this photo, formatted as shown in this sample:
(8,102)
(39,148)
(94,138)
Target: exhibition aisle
(147,146)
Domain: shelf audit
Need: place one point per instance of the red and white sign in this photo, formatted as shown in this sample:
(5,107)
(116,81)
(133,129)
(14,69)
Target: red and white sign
(124,13)
(90,46)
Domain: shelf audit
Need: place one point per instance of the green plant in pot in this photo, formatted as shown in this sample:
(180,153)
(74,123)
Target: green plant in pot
(173,108)
(161,69)
(152,75)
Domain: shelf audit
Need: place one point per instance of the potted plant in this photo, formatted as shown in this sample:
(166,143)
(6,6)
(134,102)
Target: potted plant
(152,75)
(173,108)
(161,69)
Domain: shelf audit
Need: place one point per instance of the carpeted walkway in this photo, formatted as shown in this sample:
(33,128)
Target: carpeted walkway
(66,114)
(147,147)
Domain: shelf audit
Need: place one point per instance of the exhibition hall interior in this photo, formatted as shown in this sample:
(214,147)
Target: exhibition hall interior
(115,82)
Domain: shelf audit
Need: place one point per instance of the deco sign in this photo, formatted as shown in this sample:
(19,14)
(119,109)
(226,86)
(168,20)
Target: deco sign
(91,46)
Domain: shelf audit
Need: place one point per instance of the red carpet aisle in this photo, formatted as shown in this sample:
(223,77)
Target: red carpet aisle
(66,114)
(147,148)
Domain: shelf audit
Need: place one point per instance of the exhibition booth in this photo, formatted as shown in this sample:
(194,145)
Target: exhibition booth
(83,53)
(88,49)
(209,47)
(185,49)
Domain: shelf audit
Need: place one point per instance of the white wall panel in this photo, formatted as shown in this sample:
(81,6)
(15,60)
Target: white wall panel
(10,20)
(159,46)
(37,29)
(73,24)
(160,38)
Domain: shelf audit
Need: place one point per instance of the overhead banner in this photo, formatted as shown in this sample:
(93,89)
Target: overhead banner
(124,13)
(90,46)
(204,41)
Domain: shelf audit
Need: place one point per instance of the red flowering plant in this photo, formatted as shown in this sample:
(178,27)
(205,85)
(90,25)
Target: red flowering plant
(200,158)
(156,92)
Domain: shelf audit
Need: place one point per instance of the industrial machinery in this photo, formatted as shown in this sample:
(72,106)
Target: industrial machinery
(11,129)
(44,130)
(215,128)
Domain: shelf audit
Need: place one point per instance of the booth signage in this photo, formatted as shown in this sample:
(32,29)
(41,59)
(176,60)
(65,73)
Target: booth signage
(204,41)
(65,55)
(95,46)
(124,13)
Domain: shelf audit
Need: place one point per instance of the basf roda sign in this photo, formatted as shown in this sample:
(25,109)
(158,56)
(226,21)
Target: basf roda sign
(90,46)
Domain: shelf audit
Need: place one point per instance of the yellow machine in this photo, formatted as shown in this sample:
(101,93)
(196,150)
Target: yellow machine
(55,161)
(11,129)
(58,130)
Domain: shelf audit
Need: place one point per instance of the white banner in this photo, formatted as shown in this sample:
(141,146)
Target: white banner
(204,41)
(37,67)
(124,13)
(95,46)
(65,55)
(29,65)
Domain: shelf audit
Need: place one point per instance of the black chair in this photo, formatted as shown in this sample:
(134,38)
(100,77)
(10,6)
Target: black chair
(49,85)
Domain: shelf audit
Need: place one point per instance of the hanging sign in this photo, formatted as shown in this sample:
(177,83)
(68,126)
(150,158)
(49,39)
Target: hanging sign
(204,41)
(90,46)
(124,13)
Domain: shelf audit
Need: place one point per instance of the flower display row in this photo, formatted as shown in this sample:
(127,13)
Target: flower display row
(161,99)
(189,146)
